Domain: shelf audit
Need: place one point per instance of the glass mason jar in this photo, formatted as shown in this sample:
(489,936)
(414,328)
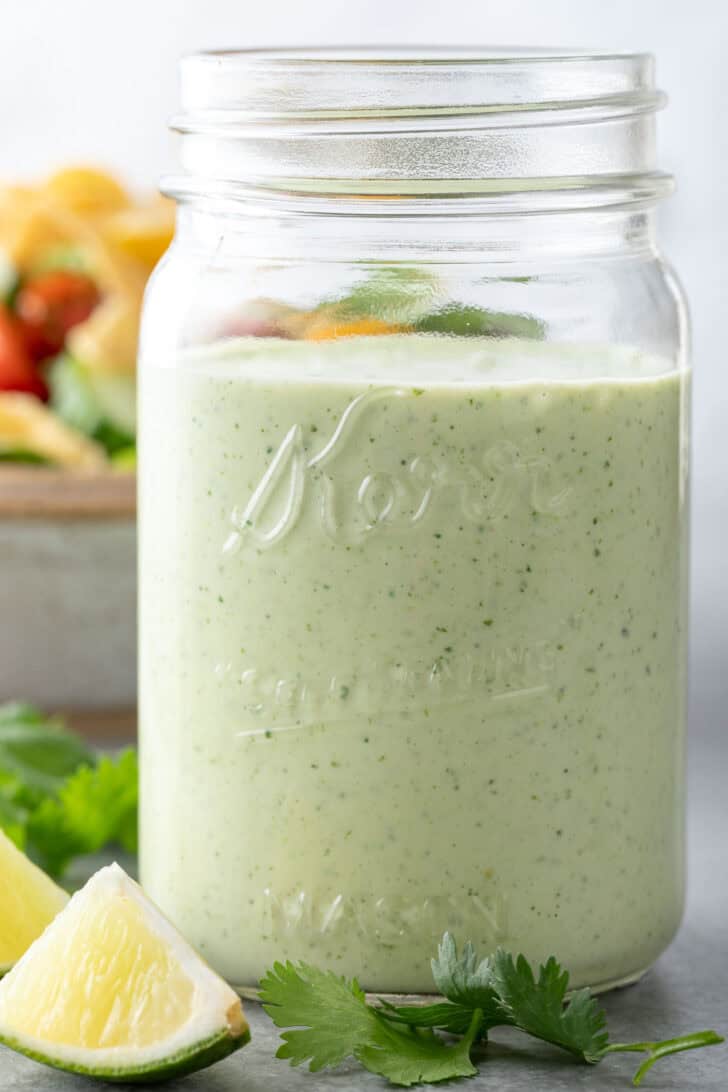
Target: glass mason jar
(413,487)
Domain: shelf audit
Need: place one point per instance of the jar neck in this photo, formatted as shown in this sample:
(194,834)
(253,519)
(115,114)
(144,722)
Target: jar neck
(528,130)
(452,231)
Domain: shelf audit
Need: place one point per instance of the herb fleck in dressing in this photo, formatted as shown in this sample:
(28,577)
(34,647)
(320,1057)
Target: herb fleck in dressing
(411,653)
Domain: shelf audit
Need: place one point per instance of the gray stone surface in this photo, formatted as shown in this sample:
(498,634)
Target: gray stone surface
(686,991)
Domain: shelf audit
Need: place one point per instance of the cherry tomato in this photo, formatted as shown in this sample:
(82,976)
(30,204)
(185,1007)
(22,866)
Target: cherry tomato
(49,305)
(17,370)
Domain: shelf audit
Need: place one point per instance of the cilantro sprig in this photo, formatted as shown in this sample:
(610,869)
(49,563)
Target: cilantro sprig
(58,800)
(327,1018)
(333,1022)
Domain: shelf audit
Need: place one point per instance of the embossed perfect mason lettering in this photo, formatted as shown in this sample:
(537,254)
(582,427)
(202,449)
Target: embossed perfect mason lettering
(501,675)
(486,488)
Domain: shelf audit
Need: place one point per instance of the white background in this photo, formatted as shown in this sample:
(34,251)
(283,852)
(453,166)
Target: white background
(96,80)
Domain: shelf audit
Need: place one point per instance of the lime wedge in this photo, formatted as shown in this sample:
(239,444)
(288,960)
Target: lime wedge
(29,901)
(112,990)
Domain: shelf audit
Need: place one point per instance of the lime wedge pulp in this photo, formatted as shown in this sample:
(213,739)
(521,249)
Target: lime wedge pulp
(112,990)
(29,901)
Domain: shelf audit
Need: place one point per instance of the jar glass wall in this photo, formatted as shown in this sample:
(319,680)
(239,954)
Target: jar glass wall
(413,477)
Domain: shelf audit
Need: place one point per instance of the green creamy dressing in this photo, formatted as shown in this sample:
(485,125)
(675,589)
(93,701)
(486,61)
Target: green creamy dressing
(412,652)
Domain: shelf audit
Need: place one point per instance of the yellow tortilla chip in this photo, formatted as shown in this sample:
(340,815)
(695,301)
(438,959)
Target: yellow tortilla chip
(143,232)
(86,190)
(28,425)
(26,227)
(107,340)
(32,222)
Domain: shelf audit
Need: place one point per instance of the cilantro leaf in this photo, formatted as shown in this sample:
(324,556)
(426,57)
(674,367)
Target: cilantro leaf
(508,993)
(37,754)
(56,800)
(463,979)
(397,294)
(329,1020)
(417,1056)
(330,1014)
(13,819)
(537,1006)
(467,321)
(445,1016)
(12,712)
(95,807)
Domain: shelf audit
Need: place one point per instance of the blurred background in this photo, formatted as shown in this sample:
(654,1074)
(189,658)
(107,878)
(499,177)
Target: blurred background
(85,81)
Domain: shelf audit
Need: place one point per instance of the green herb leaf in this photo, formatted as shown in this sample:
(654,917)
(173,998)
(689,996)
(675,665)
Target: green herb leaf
(396,294)
(508,993)
(114,439)
(20,455)
(60,256)
(13,819)
(94,808)
(329,1021)
(465,321)
(72,397)
(37,754)
(452,1018)
(414,1056)
(330,1013)
(537,1007)
(56,801)
(464,979)
(78,399)
(13,712)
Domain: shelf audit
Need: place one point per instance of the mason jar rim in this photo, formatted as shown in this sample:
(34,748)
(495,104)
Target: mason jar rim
(390,120)
(268,84)
(407,53)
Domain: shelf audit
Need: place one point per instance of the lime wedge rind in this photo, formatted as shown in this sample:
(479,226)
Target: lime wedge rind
(194,1058)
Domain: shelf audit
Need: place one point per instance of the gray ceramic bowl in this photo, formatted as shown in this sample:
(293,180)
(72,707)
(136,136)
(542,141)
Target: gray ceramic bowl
(68,589)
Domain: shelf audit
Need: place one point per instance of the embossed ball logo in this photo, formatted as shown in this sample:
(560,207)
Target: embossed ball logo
(378,499)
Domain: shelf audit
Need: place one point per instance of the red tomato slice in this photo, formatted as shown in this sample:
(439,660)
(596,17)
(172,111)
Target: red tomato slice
(51,304)
(17,370)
